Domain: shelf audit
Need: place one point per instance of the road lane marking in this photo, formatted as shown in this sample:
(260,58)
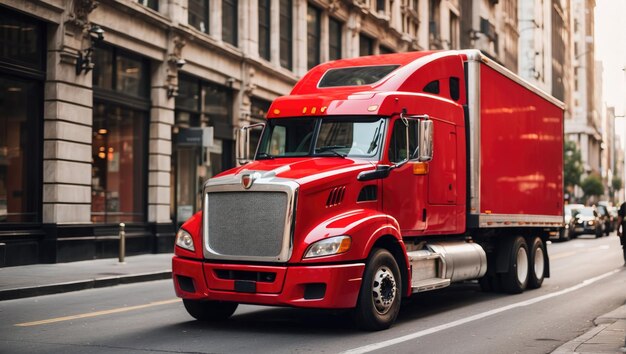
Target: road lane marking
(97,313)
(408,337)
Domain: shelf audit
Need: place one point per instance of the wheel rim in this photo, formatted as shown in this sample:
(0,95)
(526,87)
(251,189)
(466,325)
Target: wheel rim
(383,290)
(539,264)
(522,265)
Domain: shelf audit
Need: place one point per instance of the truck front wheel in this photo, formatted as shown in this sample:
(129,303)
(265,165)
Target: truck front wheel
(381,291)
(515,280)
(210,310)
(537,263)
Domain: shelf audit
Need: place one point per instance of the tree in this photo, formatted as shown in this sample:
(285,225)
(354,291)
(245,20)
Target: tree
(592,186)
(572,168)
(572,165)
(616,184)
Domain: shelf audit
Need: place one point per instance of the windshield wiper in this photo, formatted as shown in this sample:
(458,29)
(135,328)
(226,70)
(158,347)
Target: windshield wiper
(264,155)
(374,142)
(331,149)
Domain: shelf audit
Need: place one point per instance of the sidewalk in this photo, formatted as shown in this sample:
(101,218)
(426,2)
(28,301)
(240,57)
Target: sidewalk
(609,336)
(43,279)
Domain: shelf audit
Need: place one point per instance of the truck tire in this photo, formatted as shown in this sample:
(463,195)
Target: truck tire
(379,299)
(210,310)
(537,264)
(515,280)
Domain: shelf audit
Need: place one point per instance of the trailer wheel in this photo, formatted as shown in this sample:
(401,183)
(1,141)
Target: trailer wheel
(378,303)
(515,280)
(210,310)
(537,263)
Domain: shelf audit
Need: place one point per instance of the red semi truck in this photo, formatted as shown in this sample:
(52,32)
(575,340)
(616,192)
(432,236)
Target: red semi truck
(377,178)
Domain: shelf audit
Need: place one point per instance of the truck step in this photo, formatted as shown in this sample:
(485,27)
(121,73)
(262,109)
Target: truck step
(429,284)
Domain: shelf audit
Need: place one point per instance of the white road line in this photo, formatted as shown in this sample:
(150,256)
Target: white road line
(408,337)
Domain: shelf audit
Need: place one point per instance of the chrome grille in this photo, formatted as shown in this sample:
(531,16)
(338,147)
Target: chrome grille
(246,224)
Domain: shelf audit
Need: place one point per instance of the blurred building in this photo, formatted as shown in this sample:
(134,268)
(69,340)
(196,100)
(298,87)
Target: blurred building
(545,47)
(492,27)
(608,152)
(585,127)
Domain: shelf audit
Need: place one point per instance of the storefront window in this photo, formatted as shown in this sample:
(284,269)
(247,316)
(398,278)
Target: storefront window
(22,65)
(119,145)
(19,160)
(202,137)
(118,175)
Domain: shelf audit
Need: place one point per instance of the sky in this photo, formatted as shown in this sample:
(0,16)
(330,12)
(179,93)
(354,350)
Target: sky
(610,45)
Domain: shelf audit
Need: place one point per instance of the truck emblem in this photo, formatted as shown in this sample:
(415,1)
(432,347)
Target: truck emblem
(247,180)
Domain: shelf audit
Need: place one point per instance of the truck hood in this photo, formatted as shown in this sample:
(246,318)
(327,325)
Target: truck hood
(301,170)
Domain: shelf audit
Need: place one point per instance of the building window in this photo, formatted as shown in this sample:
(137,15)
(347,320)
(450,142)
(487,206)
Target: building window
(230,22)
(366,45)
(153,4)
(119,146)
(264,29)
(121,72)
(334,39)
(313,36)
(199,15)
(22,65)
(286,30)
(380,6)
(454,31)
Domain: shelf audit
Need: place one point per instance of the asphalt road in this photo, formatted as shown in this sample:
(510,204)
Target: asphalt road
(588,280)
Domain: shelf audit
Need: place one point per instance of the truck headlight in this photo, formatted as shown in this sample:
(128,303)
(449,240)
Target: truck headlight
(329,246)
(184,240)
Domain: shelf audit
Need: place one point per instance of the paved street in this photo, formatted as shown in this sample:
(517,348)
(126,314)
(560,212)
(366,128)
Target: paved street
(588,280)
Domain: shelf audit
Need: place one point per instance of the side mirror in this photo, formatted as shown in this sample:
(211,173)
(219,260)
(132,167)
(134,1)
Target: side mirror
(243,142)
(425,140)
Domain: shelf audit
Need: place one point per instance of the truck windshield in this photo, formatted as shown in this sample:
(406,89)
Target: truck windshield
(358,137)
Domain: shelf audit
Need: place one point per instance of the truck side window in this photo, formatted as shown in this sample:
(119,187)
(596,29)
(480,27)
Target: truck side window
(455,90)
(432,87)
(397,144)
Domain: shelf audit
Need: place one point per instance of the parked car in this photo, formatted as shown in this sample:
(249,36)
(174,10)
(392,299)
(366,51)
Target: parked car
(586,221)
(566,233)
(607,223)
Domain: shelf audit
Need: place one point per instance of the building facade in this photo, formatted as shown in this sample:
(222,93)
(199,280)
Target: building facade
(116,111)
(586,124)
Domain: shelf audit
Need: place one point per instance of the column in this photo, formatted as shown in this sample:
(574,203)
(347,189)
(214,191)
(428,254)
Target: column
(67,131)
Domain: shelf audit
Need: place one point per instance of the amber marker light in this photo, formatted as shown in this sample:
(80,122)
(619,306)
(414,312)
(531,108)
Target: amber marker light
(323,109)
(313,110)
(277,111)
(304,110)
(372,108)
(420,168)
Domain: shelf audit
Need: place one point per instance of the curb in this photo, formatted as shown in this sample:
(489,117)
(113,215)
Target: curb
(570,347)
(19,293)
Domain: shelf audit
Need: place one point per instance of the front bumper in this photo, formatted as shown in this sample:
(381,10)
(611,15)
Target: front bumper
(328,286)
(585,228)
